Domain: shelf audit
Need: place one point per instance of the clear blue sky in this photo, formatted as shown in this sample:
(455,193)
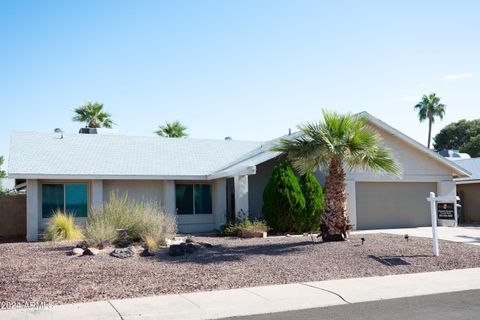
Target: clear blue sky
(246,69)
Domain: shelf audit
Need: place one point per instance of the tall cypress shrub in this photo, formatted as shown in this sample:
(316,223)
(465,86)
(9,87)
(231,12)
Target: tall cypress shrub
(314,201)
(283,200)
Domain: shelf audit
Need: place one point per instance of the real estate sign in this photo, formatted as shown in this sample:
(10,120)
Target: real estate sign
(446,211)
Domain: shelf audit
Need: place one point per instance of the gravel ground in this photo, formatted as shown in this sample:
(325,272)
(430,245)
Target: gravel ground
(45,272)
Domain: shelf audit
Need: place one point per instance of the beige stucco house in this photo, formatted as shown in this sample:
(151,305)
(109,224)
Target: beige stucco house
(204,182)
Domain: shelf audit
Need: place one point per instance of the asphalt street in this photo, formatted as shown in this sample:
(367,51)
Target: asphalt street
(463,305)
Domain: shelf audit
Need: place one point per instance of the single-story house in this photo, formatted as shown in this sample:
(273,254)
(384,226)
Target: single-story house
(205,181)
(468,190)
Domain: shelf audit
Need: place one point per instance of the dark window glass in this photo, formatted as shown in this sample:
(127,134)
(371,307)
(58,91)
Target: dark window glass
(203,198)
(184,198)
(76,202)
(52,199)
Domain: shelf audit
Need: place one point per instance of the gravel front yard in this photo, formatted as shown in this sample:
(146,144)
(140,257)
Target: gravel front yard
(44,272)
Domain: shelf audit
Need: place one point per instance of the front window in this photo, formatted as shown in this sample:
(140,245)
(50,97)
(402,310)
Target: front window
(193,198)
(71,198)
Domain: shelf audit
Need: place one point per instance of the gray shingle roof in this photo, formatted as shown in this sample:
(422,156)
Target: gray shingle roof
(472,165)
(37,154)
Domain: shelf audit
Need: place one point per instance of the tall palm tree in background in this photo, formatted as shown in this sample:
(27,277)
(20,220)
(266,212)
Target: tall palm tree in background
(430,108)
(92,114)
(339,142)
(172,130)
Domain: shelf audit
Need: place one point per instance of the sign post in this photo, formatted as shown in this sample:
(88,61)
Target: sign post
(432,199)
(444,210)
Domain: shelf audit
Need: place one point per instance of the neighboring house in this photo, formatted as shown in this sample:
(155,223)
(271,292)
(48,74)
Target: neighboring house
(206,181)
(468,190)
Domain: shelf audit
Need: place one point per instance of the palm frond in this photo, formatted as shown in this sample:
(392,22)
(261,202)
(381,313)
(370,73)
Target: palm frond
(93,115)
(345,137)
(173,129)
(430,108)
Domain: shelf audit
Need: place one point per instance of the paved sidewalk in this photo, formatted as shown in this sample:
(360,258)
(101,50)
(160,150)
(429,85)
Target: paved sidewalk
(470,235)
(260,300)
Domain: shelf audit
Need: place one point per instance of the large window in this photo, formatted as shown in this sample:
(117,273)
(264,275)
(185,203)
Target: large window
(193,198)
(71,198)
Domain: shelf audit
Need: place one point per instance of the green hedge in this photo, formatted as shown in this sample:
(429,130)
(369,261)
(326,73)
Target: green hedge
(290,204)
(314,201)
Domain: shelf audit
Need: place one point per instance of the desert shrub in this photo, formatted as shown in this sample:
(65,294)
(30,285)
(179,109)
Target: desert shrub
(62,227)
(283,200)
(142,220)
(314,200)
(233,229)
(154,223)
(99,230)
(151,243)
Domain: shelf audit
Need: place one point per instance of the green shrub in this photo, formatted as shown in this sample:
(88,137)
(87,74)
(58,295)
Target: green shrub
(233,229)
(283,200)
(62,227)
(142,220)
(314,201)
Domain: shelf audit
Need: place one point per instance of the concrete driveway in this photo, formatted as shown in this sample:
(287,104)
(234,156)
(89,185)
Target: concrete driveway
(467,234)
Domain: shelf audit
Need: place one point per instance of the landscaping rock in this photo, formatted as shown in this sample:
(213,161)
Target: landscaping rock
(148,253)
(194,242)
(124,243)
(171,242)
(205,244)
(123,253)
(183,248)
(177,250)
(91,251)
(191,247)
(82,245)
(138,248)
(77,251)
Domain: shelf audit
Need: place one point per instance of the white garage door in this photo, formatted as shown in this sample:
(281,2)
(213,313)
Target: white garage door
(393,204)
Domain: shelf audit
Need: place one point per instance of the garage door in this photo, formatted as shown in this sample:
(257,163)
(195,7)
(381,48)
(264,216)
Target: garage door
(393,204)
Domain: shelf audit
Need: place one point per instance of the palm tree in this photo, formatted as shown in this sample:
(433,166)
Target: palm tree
(338,143)
(430,108)
(172,130)
(93,115)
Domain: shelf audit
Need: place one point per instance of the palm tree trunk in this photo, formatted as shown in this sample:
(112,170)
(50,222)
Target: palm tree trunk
(335,223)
(92,124)
(429,132)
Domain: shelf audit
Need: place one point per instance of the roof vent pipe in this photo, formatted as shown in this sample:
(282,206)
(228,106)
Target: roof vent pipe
(58,133)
